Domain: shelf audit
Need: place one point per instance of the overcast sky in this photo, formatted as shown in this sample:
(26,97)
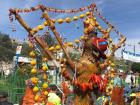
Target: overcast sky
(123,14)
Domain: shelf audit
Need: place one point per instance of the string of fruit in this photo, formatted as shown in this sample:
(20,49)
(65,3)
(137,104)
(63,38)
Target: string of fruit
(59,21)
(40,93)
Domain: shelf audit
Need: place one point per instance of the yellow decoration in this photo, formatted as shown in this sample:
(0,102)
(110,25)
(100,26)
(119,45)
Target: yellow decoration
(110,40)
(34,80)
(82,16)
(109,62)
(112,81)
(45,59)
(86,30)
(68,20)
(35,30)
(46,93)
(30,45)
(99,28)
(45,86)
(46,23)
(94,19)
(33,62)
(45,77)
(112,64)
(112,75)
(87,13)
(75,18)
(34,71)
(70,44)
(57,47)
(35,89)
(51,48)
(60,21)
(40,27)
(44,68)
(32,54)
(82,37)
(77,41)
(53,21)
(36,98)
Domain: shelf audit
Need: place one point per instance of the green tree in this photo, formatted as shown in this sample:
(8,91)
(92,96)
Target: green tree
(135,67)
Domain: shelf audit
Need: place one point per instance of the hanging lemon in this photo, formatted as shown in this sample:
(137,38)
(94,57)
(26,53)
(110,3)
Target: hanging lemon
(34,71)
(60,21)
(32,54)
(30,45)
(57,47)
(82,37)
(82,16)
(70,44)
(35,30)
(33,62)
(35,89)
(46,93)
(44,68)
(75,18)
(77,41)
(45,77)
(51,48)
(34,80)
(68,20)
(40,27)
(36,98)
(46,23)
(45,86)
(112,64)
(87,13)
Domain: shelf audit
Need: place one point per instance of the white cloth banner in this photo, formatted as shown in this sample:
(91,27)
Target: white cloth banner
(23,59)
(131,56)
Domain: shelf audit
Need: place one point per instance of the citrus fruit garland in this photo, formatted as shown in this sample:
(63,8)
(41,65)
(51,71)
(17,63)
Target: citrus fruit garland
(35,80)
(60,21)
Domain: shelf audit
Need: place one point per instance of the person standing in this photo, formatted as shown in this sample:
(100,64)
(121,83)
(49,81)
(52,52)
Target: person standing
(4,99)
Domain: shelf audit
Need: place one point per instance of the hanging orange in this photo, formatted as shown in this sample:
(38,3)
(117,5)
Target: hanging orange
(36,98)
(45,77)
(33,62)
(44,68)
(32,54)
(46,23)
(60,21)
(45,86)
(40,27)
(68,20)
(34,71)
(46,93)
(35,89)
(75,18)
(34,80)
(82,16)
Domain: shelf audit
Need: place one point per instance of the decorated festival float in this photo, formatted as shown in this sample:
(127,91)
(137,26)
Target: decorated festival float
(87,72)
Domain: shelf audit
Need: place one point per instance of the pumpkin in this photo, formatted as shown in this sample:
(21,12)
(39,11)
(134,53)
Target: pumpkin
(68,20)
(75,18)
(60,21)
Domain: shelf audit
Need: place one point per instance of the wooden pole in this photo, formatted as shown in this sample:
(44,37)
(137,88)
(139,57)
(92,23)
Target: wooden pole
(38,39)
(52,26)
